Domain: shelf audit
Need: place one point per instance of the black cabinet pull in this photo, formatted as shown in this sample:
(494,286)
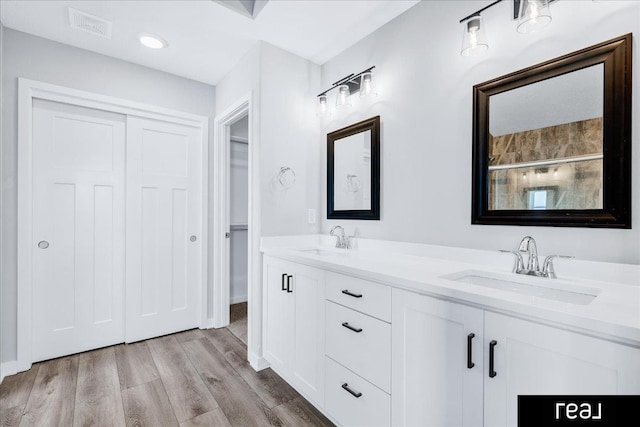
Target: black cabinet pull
(283,276)
(346,292)
(354,393)
(348,326)
(289,290)
(492,372)
(470,364)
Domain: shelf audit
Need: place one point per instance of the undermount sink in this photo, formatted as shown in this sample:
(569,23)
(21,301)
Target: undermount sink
(550,289)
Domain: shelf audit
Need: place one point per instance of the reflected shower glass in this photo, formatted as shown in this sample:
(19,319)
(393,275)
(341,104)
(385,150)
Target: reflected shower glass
(546,144)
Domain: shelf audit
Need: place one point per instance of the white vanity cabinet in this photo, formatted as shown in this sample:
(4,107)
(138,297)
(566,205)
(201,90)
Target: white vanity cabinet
(530,358)
(372,354)
(294,325)
(437,367)
(358,351)
(443,376)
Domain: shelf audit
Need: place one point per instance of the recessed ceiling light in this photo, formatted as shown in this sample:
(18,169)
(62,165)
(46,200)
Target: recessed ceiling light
(152,41)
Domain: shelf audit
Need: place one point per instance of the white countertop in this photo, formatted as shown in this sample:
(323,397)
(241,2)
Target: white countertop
(614,314)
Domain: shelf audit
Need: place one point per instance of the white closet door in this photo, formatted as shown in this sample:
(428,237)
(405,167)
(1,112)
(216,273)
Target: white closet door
(164,222)
(78,229)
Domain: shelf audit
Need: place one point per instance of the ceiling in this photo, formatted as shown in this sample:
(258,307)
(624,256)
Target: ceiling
(206,39)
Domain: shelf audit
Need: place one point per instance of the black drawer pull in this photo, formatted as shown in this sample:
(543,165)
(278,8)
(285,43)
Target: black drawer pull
(470,364)
(284,288)
(348,326)
(346,292)
(492,372)
(289,290)
(354,393)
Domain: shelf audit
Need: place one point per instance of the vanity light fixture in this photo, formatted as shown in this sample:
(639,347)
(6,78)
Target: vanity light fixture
(532,15)
(152,41)
(323,108)
(362,82)
(474,38)
(342,98)
(367,85)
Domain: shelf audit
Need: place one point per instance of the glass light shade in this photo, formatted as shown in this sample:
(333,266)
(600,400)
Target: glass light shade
(534,15)
(323,107)
(474,38)
(367,86)
(342,98)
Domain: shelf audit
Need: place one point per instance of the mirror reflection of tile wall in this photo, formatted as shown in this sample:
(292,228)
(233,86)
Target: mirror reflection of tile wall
(570,183)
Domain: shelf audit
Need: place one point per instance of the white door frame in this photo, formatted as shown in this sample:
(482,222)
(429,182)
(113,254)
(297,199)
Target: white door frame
(220,207)
(27,91)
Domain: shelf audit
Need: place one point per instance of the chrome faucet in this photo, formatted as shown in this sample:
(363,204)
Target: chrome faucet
(528,246)
(547,266)
(341,241)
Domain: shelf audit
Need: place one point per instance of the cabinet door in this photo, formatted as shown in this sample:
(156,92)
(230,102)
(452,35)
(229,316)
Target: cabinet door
(277,309)
(308,332)
(535,359)
(432,383)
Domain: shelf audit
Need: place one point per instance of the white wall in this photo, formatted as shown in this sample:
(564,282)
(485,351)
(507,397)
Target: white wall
(44,60)
(289,135)
(425,104)
(244,78)
(239,182)
(238,291)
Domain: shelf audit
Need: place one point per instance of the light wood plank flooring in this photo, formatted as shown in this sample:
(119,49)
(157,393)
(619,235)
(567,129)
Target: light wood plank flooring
(238,320)
(193,378)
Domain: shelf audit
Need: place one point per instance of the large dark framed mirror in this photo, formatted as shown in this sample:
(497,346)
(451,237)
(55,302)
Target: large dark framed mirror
(353,171)
(552,142)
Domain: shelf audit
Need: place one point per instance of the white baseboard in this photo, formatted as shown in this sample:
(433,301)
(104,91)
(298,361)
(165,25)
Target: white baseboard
(238,298)
(8,368)
(258,363)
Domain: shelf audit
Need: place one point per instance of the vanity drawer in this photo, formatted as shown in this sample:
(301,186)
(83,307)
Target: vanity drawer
(365,349)
(371,408)
(368,297)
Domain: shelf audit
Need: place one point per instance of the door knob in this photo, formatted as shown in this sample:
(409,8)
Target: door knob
(43,244)
(193,238)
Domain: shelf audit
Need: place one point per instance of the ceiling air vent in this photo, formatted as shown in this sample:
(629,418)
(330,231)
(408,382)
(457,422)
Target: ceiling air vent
(89,23)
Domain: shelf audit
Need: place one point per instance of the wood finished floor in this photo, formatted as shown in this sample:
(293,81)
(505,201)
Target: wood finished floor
(192,378)
(238,321)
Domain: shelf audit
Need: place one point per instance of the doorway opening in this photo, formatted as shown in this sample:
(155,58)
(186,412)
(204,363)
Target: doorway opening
(238,226)
(221,230)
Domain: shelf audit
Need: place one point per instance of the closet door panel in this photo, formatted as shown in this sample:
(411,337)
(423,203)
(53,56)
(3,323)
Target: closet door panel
(179,268)
(163,227)
(78,229)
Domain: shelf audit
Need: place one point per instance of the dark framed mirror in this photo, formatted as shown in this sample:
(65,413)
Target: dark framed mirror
(552,142)
(353,171)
